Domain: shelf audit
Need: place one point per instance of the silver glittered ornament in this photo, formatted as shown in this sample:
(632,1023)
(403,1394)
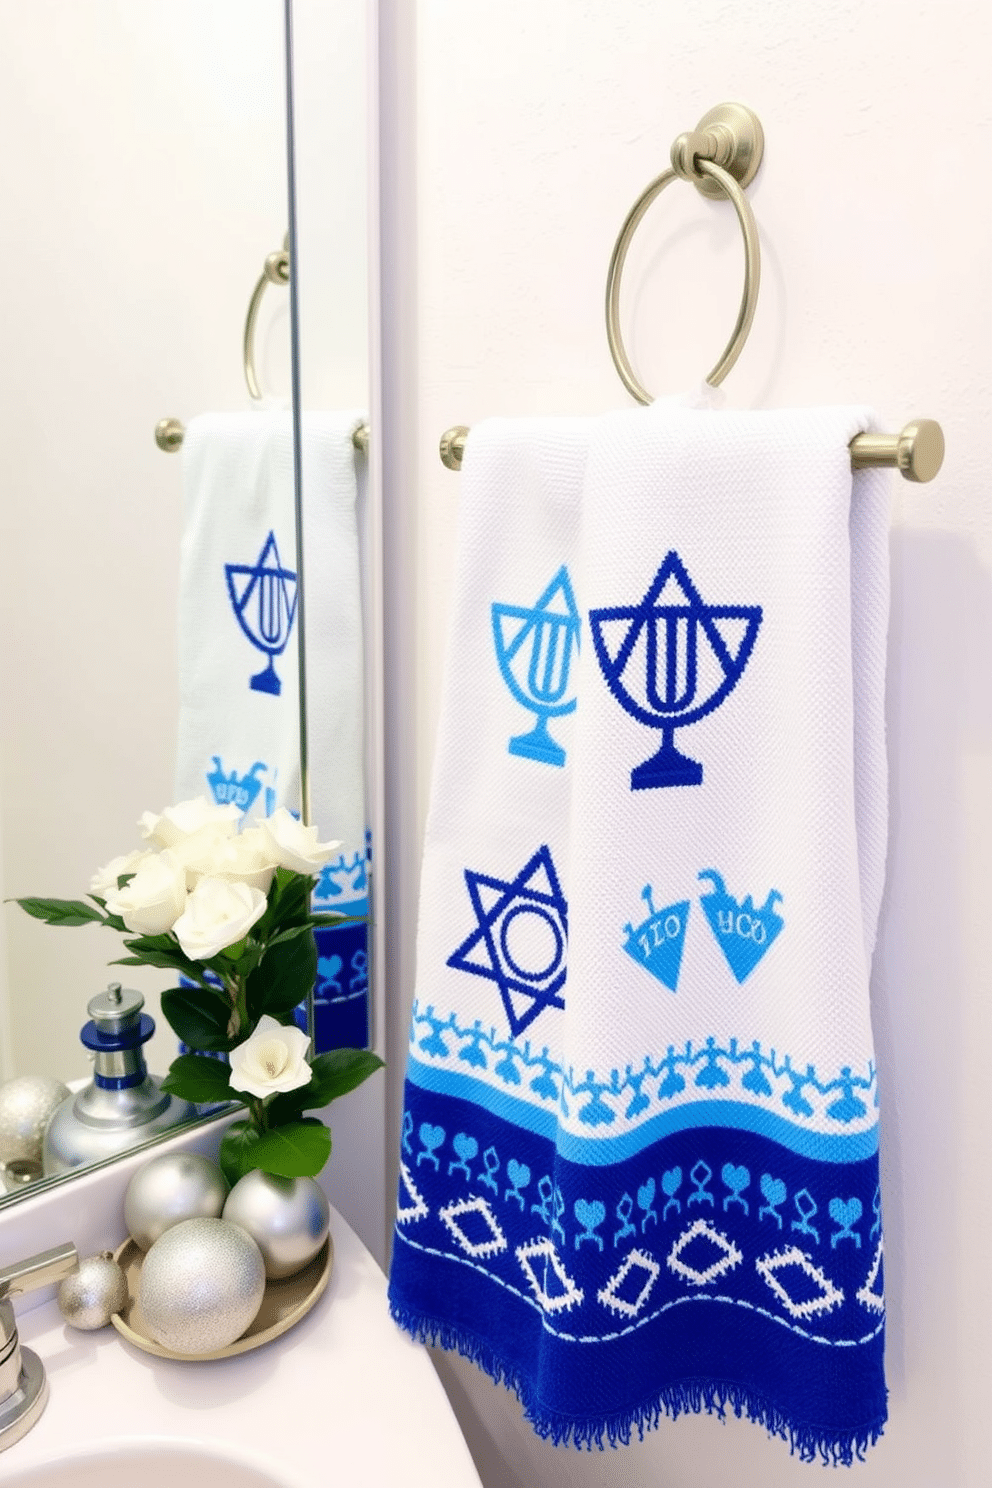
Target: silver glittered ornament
(27,1104)
(93,1293)
(169,1189)
(201,1286)
(288,1218)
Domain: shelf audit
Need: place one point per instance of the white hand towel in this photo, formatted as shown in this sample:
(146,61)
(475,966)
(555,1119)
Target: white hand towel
(239,677)
(639,1170)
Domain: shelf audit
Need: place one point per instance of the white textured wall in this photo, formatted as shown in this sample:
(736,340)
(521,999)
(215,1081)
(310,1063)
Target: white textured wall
(516,136)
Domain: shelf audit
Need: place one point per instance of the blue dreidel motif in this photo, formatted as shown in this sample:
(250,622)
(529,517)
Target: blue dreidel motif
(657,944)
(743,933)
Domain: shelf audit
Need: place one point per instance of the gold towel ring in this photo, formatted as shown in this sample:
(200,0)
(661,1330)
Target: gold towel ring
(723,150)
(276,271)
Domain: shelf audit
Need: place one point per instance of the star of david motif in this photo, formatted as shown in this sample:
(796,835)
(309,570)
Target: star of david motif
(520,937)
(769,1267)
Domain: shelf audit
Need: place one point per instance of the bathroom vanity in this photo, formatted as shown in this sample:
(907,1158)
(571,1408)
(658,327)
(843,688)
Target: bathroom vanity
(344,1397)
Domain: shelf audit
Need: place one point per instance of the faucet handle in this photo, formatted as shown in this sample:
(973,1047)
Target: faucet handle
(23,1385)
(45,1269)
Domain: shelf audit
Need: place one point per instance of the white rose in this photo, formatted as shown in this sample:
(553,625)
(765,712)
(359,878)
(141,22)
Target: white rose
(246,858)
(217,915)
(156,896)
(295,846)
(104,880)
(273,1060)
(188,817)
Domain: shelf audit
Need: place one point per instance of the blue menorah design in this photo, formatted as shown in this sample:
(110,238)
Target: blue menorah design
(263,595)
(534,648)
(669,660)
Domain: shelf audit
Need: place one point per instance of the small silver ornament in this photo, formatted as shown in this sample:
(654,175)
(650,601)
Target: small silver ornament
(288,1218)
(27,1105)
(169,1189)
(201,1286)
(93,1293)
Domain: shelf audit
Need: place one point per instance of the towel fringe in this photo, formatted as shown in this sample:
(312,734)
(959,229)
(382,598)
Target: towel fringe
(693,1397)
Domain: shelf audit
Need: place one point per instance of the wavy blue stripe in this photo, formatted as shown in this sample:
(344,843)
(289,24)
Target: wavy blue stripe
(601,1151)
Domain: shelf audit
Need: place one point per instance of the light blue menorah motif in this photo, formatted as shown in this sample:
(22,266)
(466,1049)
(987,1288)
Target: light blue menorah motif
(669,660)
(263,596)
(241,790)
(743,933)
(534,648)
(657,944)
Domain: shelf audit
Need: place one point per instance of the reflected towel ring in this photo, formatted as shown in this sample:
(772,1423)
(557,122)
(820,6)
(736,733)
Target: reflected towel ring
(276,271)
(720,157)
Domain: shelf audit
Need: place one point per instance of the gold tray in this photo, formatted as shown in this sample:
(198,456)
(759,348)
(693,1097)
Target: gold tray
(283,1305)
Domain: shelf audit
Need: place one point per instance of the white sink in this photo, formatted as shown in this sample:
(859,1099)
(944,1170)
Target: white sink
(343,1397)
(150,1463)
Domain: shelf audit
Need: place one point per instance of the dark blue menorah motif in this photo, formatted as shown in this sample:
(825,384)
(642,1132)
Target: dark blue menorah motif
(534,648)
(263,595)
(669,660)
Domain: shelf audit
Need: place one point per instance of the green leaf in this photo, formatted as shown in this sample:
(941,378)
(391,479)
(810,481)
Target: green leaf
(68,912)
(283,977)
(114,921)
(333,1075)
(235,1150)
(297,1150)
(196,1078)
(200,1017)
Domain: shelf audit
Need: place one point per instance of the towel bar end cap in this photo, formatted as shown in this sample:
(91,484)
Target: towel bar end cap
(169,434)
(453,446)
(921,449)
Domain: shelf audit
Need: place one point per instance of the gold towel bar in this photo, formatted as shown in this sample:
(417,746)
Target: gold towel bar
(169,434)
(917,451)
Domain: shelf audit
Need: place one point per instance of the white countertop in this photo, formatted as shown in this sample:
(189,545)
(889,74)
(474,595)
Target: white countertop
(343,1398)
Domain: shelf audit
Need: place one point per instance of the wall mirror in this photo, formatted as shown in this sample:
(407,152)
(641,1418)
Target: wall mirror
(148,184)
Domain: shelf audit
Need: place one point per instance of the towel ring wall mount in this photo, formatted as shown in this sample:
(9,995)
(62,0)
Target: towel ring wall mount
(170,432)
(721,157)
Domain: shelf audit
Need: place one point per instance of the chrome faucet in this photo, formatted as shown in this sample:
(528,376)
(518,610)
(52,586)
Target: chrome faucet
(23,1384)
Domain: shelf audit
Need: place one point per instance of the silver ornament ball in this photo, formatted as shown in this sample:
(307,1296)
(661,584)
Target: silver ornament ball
(93,1293)
(201,1286)
(288,1218)
(169,1189)
(27,1105)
